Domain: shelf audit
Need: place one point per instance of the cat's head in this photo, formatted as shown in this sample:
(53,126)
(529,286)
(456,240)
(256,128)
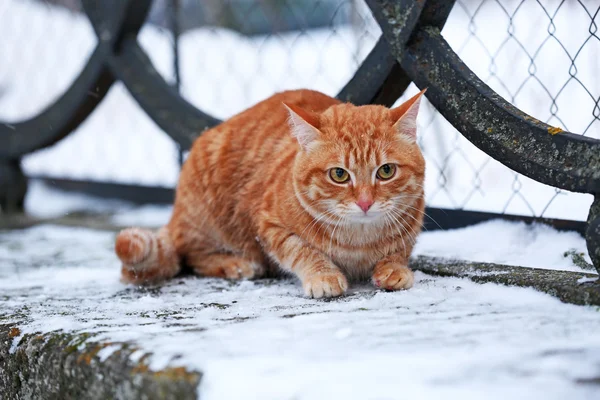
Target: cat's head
(358,164)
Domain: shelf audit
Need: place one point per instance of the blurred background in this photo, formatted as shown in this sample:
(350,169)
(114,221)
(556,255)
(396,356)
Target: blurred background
(542,56)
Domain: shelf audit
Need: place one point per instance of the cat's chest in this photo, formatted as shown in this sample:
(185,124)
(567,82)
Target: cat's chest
(358,255)
(353,258)
(356,263)
(356,249)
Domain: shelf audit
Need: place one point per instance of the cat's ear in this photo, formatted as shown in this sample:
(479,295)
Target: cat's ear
(303,124)
(405,116)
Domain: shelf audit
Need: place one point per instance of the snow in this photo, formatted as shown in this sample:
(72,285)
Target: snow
(504,242)
(223,72)
(43,201)
(144,216)
(445,337)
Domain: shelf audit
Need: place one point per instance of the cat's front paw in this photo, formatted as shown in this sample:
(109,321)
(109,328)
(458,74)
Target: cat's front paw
(320,284)
(392,276)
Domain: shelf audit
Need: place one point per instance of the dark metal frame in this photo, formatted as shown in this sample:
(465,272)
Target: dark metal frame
(411,49)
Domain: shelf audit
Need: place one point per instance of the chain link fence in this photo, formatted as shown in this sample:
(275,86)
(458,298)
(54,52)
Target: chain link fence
(542,56)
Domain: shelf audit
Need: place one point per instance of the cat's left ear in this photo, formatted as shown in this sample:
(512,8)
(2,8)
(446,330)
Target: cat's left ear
(405,116)
(304,125)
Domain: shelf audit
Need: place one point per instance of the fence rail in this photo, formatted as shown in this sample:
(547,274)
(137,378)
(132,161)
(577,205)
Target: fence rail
(411,49)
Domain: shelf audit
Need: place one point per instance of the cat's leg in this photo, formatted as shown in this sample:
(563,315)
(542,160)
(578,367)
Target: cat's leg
(319,275)
(147,257)
(224,265)
(392,273)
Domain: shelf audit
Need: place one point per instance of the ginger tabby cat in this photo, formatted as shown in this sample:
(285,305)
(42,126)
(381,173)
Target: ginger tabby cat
(300,182)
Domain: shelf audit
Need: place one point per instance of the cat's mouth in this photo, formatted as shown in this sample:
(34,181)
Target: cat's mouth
(365,217)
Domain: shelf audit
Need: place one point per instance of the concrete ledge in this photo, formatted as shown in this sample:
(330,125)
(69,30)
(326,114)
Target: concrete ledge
(569,287)
(100,221)
(66,366)
(79,365)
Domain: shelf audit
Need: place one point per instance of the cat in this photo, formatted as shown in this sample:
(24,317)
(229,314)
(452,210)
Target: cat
(301,183)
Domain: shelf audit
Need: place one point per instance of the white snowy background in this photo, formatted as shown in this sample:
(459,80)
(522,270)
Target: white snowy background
(446,337)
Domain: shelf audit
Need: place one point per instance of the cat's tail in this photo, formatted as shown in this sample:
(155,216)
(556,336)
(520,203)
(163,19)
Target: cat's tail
(147,256)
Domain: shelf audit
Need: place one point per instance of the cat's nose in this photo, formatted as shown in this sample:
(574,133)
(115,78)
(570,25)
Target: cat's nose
(365,204)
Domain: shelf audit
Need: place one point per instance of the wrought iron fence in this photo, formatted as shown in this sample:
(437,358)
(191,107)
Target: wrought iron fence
(540,56)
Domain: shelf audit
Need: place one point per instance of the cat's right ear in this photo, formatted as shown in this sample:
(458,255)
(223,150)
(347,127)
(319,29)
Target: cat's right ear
(405,116)
(304,125)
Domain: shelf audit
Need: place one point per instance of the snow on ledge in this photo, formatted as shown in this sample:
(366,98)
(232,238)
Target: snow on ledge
(445,337)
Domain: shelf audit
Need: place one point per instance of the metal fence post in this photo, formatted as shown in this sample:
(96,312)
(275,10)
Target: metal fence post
(13,186)
(592,234)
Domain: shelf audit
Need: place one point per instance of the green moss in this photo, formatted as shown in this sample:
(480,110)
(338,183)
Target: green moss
(578,259)
(63,365)
(564,285)
(218,305)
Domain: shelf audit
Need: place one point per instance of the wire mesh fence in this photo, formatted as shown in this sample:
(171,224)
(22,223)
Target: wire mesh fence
(541,56)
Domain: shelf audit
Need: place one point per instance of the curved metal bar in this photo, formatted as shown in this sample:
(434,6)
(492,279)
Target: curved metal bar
(592,234)
(133,14)
(184,122)
(64,115)
(379,80)
(13,186)
(177,117)
(400,16)
(504,132)
(78,102)
(130,64)
(435,13)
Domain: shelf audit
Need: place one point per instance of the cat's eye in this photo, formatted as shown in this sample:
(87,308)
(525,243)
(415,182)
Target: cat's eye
(339,175)
(386,171)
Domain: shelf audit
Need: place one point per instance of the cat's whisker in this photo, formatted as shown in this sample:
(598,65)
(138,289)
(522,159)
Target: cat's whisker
(411,234)
(400,226)
(425,214)
(328,222)
(398,200)
(333,233)
(410,215)
(401,229)
(326,215)
(389,222)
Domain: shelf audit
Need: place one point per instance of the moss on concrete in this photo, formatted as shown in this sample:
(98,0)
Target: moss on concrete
(86,220)
(567,286)
(67,366)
